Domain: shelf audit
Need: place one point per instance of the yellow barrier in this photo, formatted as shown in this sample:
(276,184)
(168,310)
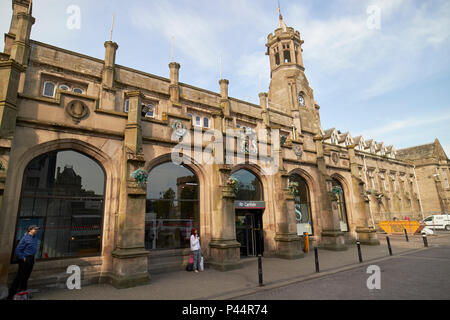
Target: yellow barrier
(399,226)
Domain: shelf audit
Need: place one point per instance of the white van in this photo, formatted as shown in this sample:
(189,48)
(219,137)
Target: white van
(438,221)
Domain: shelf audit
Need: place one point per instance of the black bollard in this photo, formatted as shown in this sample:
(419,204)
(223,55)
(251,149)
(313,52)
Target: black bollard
(358,244)
(425,240)
(316,255)
(406,235)
(389,246)
(260,273)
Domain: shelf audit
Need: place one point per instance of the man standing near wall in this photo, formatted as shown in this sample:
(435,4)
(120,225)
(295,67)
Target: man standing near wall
(25,252)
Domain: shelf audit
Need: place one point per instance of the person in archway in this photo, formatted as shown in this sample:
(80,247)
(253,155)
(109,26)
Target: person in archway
(195,248)
(25,252)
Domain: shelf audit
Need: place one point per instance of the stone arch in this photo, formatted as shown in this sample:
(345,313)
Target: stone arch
(257,172)
(98,156)
(204,201)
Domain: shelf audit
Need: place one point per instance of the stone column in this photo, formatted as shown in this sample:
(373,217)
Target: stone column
(174,88)
(9,82)
(130,264)
(108,95)
(332,236)
(288,244)
(366,234)
(225,103)
(224,249)
(264,113)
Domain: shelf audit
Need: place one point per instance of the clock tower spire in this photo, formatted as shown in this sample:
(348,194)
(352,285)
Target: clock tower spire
(289,90)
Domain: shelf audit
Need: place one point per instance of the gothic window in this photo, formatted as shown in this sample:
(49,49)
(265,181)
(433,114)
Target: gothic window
(63,194)
(287,56)
(302,206)
(172,207)
(49,89)
(341,206)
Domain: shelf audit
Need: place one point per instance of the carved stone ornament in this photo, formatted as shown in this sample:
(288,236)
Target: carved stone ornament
(335,158)
(248,142)
(179,129)
(298,150)
(77,110)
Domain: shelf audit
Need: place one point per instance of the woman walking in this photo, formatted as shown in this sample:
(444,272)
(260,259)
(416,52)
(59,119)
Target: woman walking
(195,248)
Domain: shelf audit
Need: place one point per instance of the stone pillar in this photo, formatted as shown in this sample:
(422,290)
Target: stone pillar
(110,62)
(224,249)
(130,264)
(366,233)
(174,88)
(18,6)
(288,244)
(20,50)
(332,236)
(263,104)
(9,82)
(225,103)
(108,95)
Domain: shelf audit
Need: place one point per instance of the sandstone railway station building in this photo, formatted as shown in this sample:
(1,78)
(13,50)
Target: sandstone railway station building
(76,130)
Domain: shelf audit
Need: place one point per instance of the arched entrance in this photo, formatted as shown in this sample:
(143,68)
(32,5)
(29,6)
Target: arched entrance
(172,207)
(63,194)
(249,206)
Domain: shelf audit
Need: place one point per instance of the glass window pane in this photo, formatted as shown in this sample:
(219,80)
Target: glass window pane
(49,89)
(249,187)
(169,221)
(65,190)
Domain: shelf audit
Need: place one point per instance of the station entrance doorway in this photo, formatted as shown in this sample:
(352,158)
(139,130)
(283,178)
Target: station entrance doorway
(249,231)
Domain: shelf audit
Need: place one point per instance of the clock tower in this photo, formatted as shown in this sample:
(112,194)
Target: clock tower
(289,90)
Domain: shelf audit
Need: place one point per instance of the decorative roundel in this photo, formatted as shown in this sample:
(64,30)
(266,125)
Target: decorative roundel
(179,128)
(301,100)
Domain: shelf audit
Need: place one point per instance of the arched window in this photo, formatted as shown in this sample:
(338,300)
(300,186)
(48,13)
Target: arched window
(341,206)
(172,207)
(49,89)
(64,87)
(249,187)
(77,90)
(302,205)
(63,194)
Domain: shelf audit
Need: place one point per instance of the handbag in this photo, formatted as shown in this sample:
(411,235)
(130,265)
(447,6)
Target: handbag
(190,265)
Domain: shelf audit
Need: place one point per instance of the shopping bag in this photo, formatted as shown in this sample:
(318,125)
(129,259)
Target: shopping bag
(190,265)
(201,264)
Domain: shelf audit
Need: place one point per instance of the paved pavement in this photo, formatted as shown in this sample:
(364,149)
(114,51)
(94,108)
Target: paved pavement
(421,275)
(212,284)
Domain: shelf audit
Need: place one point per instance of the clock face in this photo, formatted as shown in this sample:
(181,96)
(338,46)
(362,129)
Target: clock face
(301,100)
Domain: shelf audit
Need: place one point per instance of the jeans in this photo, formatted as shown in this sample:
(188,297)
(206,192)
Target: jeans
(20,283)
(197,257)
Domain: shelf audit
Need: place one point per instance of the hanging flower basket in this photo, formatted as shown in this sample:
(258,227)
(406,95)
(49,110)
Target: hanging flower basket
(233,184)
(293,188)
(140,176)
(336,190)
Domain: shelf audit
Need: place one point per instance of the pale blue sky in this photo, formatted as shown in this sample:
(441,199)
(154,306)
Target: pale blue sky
(390,84)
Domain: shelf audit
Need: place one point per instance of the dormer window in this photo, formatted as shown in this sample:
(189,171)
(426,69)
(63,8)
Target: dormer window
(49,89)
